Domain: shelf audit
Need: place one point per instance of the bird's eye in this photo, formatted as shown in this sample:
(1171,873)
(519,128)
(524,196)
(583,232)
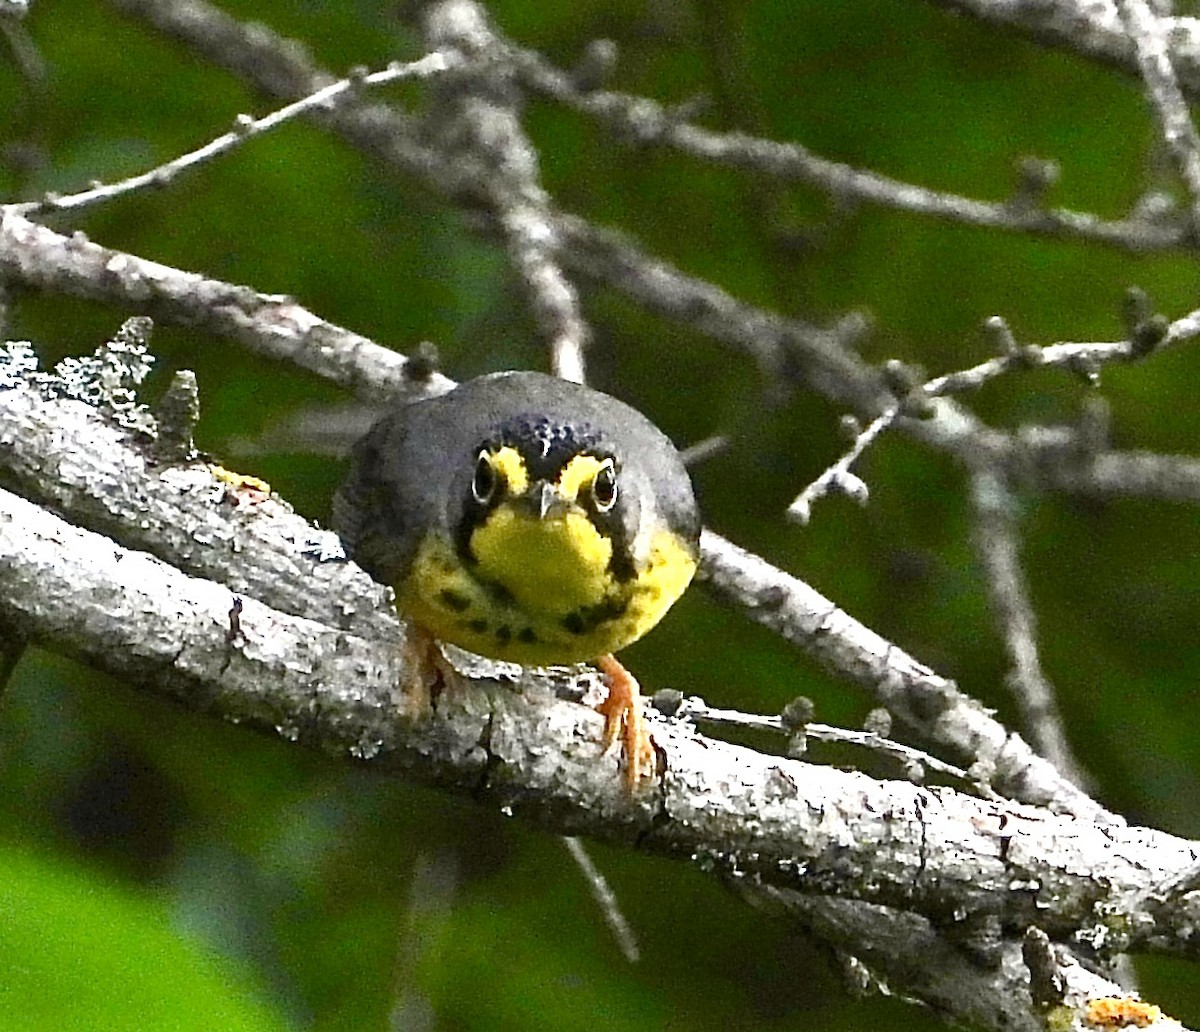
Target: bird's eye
(483,484)
(604,486)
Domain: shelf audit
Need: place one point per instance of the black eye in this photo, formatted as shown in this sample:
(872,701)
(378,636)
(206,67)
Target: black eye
(483,484)
(604,487)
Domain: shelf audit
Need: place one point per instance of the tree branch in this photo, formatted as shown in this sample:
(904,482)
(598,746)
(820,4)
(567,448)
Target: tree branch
(1091,29)
(782,822)
(271,324)
(500,734)
(477,114)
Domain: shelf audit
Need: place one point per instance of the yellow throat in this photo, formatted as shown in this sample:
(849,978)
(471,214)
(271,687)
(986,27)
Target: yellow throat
(541,591)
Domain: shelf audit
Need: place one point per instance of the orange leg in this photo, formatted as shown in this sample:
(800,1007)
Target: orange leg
(624,722)
(424,672)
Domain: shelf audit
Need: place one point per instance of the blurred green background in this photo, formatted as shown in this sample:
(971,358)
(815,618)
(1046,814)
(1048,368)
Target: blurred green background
(159,870)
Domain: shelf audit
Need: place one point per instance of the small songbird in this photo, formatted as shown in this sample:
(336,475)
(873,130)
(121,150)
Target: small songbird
(529,519)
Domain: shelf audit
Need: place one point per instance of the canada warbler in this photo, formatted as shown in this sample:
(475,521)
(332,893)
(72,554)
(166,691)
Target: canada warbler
(527,518)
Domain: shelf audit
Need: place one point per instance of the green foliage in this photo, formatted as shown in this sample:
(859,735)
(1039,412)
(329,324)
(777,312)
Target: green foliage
(83,953)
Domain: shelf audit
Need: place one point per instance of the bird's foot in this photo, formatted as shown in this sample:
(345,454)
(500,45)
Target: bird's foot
(624,722)
(424,672)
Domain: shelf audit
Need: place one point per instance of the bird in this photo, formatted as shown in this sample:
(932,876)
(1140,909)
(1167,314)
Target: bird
(529,519)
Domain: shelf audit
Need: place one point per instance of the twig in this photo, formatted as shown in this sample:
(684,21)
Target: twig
(605,899)
(436,881)
(700,452)
(26,55)
(647,122)
(1174,119)
(838,478)
(786,349)
(996,545)
(246,128)
(1084,359)
(694,708)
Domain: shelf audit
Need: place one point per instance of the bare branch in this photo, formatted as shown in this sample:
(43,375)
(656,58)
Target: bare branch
(778,821)
(983,985)
(927,703)
(478,114)
(784,348)
(271,324)
(166,510)
(605,898)
(693,708)
(1175,121)
(997,547)
(246,128)
(952,425)
(320,683)
(838,478)
(1092,29)
(61,453)
(647,122)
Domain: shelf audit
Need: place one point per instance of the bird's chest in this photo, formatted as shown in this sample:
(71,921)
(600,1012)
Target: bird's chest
(532,591)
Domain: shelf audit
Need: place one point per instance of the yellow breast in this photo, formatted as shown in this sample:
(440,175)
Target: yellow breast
(541,591)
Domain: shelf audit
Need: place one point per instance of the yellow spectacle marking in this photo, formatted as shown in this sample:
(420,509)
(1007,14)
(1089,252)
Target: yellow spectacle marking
(577,473)
(508,463)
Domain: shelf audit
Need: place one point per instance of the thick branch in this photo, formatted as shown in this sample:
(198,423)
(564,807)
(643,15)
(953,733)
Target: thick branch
(783,822)
(63,453)
(984,984)
(776,821)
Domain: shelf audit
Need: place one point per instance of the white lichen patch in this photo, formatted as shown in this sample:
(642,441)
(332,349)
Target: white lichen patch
(107,379)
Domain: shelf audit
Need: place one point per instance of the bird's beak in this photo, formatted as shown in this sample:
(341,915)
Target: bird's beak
(548,503)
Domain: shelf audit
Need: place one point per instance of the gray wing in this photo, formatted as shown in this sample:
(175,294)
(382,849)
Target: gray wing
(368,508)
